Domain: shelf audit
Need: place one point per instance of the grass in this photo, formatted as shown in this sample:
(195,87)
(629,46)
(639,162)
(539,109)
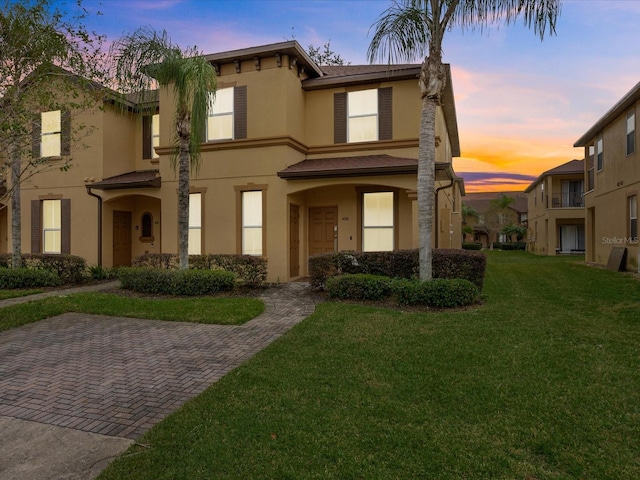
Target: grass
(540,382)
(5,294)
(218,310)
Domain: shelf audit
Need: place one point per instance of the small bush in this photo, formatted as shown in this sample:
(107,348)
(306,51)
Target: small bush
(437,293)
(512,246)
(98,272)
(70,268)
(472,246)
(249,269)
(359,287)
(176,282)
(27,278)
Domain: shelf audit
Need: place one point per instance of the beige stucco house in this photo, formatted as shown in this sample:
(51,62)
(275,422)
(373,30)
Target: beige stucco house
(296,159)
(556,210)
(612,175)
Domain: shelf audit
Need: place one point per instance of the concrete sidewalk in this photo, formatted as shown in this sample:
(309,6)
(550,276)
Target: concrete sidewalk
(82,380)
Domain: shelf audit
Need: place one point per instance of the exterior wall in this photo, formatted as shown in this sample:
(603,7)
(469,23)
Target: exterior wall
(606,205)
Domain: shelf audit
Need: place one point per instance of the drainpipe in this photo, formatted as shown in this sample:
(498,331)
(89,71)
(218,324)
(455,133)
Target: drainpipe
(437,209)
(99,223)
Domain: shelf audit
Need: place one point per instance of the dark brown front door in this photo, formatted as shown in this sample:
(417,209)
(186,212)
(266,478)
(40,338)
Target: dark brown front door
(121,239)
(323,230)
(294,240)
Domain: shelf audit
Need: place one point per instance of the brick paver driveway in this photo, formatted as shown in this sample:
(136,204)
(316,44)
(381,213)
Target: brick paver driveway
(120,376)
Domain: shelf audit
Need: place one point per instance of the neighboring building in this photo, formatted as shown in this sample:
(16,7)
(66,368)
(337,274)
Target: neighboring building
(297,159)
(556,210)
(612,174)
(487,225)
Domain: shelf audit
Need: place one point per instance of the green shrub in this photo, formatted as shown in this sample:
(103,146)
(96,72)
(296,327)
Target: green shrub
(249,269)
(359,286)
(447,263)
(27,278)
(176,282)
(437,293)
(98,272)
(472,246)
(512,246)
(70,268)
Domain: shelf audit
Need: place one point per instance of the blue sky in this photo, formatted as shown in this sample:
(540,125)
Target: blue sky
(521,103)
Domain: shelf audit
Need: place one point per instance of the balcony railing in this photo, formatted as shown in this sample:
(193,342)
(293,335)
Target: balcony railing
(566,200)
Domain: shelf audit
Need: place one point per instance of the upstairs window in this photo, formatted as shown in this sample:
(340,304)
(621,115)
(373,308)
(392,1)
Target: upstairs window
(220,118)
(362,111)
(150,136)
(363,116)
(599,154)
(631,132)
(155,134)
(377,222)
(51,134)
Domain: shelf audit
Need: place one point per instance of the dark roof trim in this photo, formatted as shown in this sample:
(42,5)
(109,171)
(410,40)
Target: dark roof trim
(332,81)
(572,167)
(139,179)
(291,48)
(618,109)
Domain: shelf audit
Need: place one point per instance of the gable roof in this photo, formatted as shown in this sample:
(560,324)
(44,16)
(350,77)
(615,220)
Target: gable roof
(631,97)
(481,201)
(136,179)
(572,167)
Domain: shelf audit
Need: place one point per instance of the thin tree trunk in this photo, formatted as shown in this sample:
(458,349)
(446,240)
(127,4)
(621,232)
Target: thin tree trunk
(183,202)
(16,210)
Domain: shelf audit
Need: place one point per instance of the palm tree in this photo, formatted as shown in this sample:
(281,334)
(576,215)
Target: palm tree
(146,59)
(412,28)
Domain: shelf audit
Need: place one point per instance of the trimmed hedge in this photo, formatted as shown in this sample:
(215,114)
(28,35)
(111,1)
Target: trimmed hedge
(176,282)
(359,286)
(511,246)
(437,293)
(447,263)
(472,246)
(70,268)
(27,278)
(249,269)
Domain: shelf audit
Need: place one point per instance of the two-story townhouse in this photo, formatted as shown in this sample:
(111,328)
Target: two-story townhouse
(296,159)
(556,210)
(612,174)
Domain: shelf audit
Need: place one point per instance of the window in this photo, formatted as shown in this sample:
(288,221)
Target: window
(362,111)
(633,218)
(599,154)
(195,224)
(363,116)
(377,222)
(220,120)
(51,134)
(51,226)
(155,134)
(147,226)
(631,132)
(252,222)
(150,136)
(591,183)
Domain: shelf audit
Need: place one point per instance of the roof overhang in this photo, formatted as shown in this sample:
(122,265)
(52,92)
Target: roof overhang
(139,179)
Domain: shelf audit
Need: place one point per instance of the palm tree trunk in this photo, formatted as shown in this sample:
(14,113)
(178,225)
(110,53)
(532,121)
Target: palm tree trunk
(16,210)
(183,202)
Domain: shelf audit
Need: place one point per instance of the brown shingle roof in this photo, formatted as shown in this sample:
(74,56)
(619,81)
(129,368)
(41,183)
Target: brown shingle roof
(572,167)
(139,179)
(364,165)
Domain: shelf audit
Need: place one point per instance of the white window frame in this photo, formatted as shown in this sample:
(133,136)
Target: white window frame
(353,114)
(51,133)
(195,223)
(155,134)
(367,227)
(52,224)
(252,221)
(215,111)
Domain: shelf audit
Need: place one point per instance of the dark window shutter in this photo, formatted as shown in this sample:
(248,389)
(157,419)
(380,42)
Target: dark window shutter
(36,229)
(385,120)
(146,137)
(65,224)
(240,112)
(340,117)
(65,142)
(36,132)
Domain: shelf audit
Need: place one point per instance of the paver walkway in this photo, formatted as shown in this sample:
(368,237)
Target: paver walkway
(120,376)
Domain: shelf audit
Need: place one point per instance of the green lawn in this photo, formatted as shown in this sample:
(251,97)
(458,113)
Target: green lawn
(540,382)
(221,311)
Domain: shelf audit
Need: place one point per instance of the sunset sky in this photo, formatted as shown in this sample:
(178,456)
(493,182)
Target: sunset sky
(521,103)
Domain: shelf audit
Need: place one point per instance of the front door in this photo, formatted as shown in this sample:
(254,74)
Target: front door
(294,240)
(323,230)
(121,239)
